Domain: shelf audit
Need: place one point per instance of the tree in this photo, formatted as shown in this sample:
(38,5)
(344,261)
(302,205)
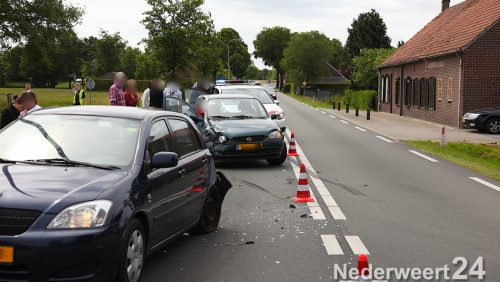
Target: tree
(367,31)
(178,32)
(148,67)
(4,68)
(239,57)
(20,19)
(109,48)
(306,57)
(129,58)
(270,45)
(365,74)
(253,72)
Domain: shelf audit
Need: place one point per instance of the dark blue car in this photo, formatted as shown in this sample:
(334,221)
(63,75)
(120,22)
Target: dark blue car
(86,193)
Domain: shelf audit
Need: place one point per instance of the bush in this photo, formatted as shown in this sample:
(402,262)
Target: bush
(361,98)
(288,88)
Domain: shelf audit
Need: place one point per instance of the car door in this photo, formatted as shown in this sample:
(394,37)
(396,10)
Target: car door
(168,198)
(194,162)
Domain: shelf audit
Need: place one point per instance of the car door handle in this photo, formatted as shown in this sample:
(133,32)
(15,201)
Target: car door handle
(204,161)
(182,172)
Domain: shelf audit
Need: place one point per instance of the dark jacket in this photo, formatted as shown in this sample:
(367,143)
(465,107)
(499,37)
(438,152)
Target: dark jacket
(9,115)
(156,98)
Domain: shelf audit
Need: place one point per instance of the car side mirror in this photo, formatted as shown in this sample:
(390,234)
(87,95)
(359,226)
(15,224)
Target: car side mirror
(274,116)
(276,102)
(164,160)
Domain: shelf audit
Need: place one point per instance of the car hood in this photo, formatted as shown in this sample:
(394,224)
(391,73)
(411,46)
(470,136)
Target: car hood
(40,187)
(273,109)
(486,111)
(245,127)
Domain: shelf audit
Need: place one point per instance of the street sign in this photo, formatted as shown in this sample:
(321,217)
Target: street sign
(90,84)
(304,83)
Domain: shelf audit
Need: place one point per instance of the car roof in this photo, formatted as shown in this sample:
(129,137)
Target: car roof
(107,111)
(228,96)
(239,86)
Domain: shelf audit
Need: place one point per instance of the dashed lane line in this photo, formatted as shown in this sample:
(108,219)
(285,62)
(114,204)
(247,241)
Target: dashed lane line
(485,183)
(357,246)
(337,213)
(360,129)
(384,139)
(343,121)
(323,112)
(332,116)
(331,244)
(423,156)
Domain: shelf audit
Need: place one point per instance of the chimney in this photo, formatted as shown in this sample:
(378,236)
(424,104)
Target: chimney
(445,4)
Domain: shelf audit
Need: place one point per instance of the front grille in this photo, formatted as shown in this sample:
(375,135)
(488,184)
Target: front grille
(13,273)
(16,221)
(244,139)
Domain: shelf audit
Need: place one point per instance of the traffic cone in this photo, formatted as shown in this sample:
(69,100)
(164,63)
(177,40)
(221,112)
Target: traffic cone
(292,151)
(303,192)
(363,269)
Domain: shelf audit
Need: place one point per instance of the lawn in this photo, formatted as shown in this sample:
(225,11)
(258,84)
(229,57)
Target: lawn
(309,101)
(481,158)
(48,97)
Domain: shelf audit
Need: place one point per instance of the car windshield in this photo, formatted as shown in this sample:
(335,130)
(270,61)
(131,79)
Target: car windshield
(241,108)
(94,140)
(258,93)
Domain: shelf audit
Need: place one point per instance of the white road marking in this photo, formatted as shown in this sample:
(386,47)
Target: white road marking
(323,113)
(317,213)
(357,246)
(329,201)
(331,244)
(361,129)
(332,116)
(384,139)
(343,121)
(316,109)
(423,156)
(314,208)
(337,213)
(486,183)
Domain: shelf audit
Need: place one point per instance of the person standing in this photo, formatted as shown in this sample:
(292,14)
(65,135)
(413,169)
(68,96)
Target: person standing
(156,94)
(145,96)
(116,96)
(25,101)
(78,95)
(131,97)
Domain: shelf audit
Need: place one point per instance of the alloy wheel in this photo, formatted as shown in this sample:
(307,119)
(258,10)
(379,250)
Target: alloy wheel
(494,126)
(135,256)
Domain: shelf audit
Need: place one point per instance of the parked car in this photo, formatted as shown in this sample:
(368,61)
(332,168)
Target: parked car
(238,127)
(269,101)
(487,120)
(86,193)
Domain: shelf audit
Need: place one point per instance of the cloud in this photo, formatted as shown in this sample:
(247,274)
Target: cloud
(248,17)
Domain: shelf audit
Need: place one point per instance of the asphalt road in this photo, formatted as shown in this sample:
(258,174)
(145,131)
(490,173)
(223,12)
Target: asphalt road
(375,195)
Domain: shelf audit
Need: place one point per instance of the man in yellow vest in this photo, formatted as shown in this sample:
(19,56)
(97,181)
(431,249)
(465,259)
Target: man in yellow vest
(78,95)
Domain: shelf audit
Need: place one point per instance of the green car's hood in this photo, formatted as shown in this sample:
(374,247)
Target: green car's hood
(244,127)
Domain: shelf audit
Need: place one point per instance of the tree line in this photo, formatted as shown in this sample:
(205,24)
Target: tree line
(38,43)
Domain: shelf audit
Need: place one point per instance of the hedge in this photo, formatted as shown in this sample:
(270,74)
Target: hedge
(361,98)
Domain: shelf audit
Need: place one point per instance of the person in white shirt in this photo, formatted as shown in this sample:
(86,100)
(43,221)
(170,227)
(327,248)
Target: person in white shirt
(146,96)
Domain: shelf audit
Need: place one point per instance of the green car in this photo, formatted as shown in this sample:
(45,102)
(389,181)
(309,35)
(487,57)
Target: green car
(237,127)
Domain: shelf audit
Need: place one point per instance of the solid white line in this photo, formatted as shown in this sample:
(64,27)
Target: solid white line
(332,116)
(343,121)
(314,208)
(359,128)
(329,201)
(331,244)
(423,156)
(384,139)
(486,183)
(337,213)
(357,246)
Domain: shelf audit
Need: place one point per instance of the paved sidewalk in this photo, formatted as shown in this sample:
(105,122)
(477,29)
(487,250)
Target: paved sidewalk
(406,128)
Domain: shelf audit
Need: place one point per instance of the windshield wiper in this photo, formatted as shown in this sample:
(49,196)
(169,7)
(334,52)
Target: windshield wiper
(247,117)
(219,117)
(70,162)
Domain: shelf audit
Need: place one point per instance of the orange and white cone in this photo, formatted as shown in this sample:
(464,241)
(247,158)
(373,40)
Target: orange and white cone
(292,150)
(303,191)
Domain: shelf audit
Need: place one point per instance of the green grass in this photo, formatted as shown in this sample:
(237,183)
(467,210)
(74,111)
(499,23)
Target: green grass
(309,101)
(49,97)
(481,158)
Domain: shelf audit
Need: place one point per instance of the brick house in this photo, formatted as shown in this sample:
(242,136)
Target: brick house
(449,67)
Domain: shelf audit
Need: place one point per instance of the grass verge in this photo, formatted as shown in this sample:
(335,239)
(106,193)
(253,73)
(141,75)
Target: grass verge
(49,97)
(309,101)
(481,158)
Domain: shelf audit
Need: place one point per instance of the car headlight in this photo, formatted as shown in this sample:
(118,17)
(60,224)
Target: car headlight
(275,135)
(470,116)
(222,139)
(83,215)
(281,115)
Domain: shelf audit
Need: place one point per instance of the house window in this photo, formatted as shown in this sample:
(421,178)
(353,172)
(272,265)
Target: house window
(432,93)
(424,100)
(450,89)
(382,88)
(416,92)
(408,90)
(440,89)
(398,91)
(388,89)
(385,89)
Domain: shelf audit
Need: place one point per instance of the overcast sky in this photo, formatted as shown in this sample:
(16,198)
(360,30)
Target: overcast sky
(332,17)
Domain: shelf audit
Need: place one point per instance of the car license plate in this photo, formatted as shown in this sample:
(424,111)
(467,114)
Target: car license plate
(248,147)
(6,254)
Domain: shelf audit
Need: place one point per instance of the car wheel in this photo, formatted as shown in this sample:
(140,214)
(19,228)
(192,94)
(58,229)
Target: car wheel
(279,160)
(132,252)
(210,215)
(493,125)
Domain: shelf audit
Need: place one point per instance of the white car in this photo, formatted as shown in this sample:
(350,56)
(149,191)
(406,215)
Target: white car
(271,105)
